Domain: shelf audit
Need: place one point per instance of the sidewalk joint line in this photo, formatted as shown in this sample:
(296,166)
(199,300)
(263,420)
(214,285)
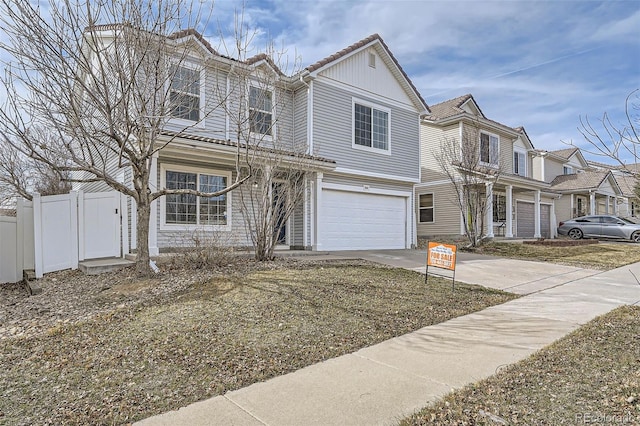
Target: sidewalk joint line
(393,367)
(244,409)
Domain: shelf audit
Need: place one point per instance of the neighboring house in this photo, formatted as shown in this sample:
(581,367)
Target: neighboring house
(519,204)
(355,113)
(582,189)
(628,204)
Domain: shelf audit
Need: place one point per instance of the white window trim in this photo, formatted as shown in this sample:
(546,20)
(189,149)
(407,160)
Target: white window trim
(274,128)
(497,154)
(524,154)
(164,226)
(354,145)
(188,123)
(568,167)
(433,206)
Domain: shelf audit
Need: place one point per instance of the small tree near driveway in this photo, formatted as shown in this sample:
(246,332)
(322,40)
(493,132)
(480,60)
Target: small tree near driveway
(470,165)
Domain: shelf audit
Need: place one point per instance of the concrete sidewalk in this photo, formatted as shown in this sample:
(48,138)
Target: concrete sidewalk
(383,383)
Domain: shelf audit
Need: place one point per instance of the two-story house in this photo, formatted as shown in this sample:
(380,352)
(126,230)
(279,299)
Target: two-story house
(583,189)
(517,203)
(355,113)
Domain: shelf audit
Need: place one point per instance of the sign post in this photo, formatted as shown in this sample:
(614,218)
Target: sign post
(441,256)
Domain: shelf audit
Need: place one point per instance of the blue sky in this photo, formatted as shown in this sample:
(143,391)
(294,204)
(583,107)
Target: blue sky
(537,64)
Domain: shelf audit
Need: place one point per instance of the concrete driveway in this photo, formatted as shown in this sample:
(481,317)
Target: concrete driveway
(515,276)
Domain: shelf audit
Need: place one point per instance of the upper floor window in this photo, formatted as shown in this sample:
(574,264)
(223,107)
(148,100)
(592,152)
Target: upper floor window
(567,170)
(184,94)
(426,208)
(370,126)
(489,149)
(260,111)
(519,163)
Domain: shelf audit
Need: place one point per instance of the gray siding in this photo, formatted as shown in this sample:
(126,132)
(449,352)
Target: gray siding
(300,119)
(333,128)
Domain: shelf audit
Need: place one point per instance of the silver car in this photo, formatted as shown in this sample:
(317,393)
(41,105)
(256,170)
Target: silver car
(600,226)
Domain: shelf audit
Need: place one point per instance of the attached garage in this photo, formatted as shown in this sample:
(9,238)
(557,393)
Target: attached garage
(525,222)
(359,221)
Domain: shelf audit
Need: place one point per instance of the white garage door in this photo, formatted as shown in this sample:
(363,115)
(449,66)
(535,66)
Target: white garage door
(356,221)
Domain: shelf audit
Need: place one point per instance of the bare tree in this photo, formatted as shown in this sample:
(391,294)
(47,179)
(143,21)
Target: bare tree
(619,142)
(21,176)
(105,92)
(469,165)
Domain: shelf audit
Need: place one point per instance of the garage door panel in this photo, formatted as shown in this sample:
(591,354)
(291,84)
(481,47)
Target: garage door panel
(356,221)
(525,226)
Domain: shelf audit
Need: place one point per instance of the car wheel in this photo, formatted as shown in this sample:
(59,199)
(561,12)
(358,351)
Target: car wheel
(635,237)
(575,234)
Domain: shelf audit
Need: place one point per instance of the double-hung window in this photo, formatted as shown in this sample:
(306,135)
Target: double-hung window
(184,94)
(426,208)
(187,209)
(489,146)
(519,163)
(260,111)
(567,170)
(370,126)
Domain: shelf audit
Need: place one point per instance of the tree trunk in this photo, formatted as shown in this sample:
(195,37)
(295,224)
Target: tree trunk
(143,269)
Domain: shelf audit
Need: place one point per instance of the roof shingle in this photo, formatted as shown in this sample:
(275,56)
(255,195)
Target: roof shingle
(579,181)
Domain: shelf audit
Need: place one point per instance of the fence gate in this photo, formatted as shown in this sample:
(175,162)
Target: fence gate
(99,225)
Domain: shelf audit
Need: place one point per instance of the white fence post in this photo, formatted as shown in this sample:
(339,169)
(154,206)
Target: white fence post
(37,234)
(124,224)
(81,225)
(20,238)
(73,201)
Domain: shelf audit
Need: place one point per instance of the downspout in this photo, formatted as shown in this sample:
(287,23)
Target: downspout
(309,114)
(308,208)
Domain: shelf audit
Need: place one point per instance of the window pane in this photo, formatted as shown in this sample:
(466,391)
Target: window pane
(426,215)
(184,96)
(484,148)
(362,125)
(426,200)
(260,114)
(380,129)
(499,208)
(493,149)
(180,208)
(213,210)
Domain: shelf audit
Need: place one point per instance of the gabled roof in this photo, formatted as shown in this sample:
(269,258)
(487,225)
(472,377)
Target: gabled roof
(583,181)
(627,184)
(452,107)
(455,109)
(366,42)
(520,130)
(564,153)
(191,33)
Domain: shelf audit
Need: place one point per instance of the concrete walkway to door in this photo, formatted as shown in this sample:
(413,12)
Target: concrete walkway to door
(381,384)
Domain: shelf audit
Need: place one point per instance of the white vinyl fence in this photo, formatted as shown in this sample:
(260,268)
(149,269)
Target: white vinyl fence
(16,243)
(54,232)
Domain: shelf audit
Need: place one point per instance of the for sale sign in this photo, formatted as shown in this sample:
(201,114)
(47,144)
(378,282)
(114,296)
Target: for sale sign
(441,255)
